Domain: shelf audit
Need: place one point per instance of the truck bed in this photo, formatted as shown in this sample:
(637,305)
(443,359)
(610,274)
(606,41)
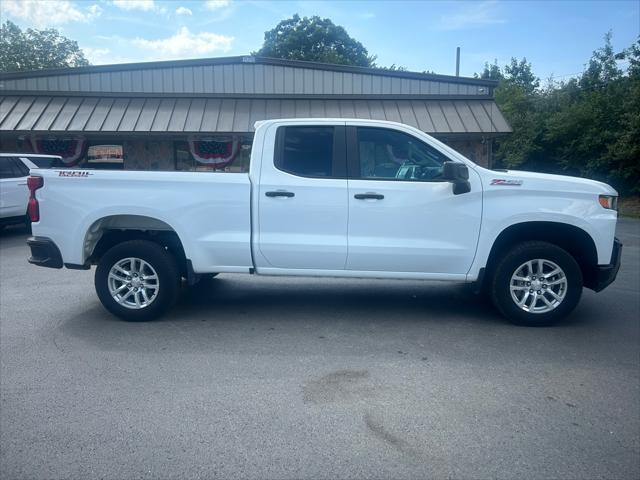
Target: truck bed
(210,212)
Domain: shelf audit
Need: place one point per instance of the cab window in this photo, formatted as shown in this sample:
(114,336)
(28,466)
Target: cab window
(46,162)
(386,154)
(311,151)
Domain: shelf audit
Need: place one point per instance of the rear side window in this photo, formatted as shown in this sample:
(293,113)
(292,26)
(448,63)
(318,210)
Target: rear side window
(306,151)
(46,162)
(22,168)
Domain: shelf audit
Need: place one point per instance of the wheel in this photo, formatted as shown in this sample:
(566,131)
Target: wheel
(536,284)
(137,280)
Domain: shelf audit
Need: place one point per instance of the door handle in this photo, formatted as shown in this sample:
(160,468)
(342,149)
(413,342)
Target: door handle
(280,193)
(22,183)
(366,196)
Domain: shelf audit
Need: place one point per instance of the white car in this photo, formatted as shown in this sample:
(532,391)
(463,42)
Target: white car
(14,170)
(332,197)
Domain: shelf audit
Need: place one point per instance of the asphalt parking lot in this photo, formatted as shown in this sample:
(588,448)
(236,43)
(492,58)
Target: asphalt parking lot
(253,377)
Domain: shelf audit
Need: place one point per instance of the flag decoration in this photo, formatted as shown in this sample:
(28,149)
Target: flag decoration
(217,152)
(69,148)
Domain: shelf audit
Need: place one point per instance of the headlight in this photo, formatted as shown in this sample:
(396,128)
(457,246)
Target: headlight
(609,202)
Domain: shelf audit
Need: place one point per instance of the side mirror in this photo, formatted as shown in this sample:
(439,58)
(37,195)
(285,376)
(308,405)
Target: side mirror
(458,175)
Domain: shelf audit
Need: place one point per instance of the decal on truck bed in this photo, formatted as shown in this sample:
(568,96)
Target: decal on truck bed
(73,173)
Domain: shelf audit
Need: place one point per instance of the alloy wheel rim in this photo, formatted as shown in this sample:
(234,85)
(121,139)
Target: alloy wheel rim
(538,286)
(133,283)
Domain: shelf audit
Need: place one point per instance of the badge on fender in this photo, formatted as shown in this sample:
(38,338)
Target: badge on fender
(505,182)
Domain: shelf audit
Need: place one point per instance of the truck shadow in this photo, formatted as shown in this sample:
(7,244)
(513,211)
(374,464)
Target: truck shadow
(231,309)
(14,231)
(333,298)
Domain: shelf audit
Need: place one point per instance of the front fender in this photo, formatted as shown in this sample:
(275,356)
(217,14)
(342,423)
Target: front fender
(504,209)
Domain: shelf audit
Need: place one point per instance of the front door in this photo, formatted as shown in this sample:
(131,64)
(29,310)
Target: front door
(303,203)
(402,216)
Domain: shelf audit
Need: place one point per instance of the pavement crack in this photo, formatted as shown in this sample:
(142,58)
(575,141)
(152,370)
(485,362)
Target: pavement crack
(380,432)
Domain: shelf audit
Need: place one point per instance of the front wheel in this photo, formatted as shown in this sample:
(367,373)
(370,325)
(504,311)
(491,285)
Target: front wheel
(137,280)
(536,284)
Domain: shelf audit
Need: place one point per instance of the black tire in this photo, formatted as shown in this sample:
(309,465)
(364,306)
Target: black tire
(159,259)
(517,256)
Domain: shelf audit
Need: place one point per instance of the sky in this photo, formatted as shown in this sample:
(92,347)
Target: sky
(557,37)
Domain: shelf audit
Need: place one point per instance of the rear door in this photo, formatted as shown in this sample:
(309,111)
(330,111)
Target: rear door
(402,216)
(13,187)
(303,203)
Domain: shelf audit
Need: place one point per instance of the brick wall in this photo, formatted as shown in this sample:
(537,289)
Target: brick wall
(148,155)
(475,150)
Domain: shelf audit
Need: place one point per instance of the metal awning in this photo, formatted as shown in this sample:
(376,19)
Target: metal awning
(138,115)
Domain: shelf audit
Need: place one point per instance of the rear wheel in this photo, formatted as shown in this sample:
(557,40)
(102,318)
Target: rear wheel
(137,280)
(536,284)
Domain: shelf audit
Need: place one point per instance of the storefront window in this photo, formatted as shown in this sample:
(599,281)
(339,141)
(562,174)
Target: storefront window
(108,157)
(217,153)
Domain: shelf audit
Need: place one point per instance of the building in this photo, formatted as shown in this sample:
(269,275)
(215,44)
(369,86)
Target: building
(199,114)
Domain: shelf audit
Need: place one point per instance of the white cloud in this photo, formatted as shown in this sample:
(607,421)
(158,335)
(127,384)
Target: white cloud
(183,11)
(185,44)
(94,11)
(104,56)
(217,4)
(221,10)
(96,55)
(144,5)
(44,14)
(472,15)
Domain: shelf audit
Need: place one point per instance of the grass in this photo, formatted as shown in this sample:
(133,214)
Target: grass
(629,206)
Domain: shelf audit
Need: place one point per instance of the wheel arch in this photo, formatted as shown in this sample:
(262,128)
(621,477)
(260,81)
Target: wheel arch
(576,241)
(111,230)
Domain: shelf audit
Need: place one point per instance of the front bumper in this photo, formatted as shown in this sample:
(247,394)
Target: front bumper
(606,274)
(44,252)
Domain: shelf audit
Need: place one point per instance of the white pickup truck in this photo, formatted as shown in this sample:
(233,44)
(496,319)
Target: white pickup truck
(332,197)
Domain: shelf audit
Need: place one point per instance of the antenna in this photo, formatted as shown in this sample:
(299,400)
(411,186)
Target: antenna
(457,61)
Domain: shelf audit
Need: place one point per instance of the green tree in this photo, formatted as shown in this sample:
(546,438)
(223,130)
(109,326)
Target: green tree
(625,151)
(314,39)
(37,49)
(587,126)
(515,95)
(519,74)
(602,67)
(491,71)
(587,134)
